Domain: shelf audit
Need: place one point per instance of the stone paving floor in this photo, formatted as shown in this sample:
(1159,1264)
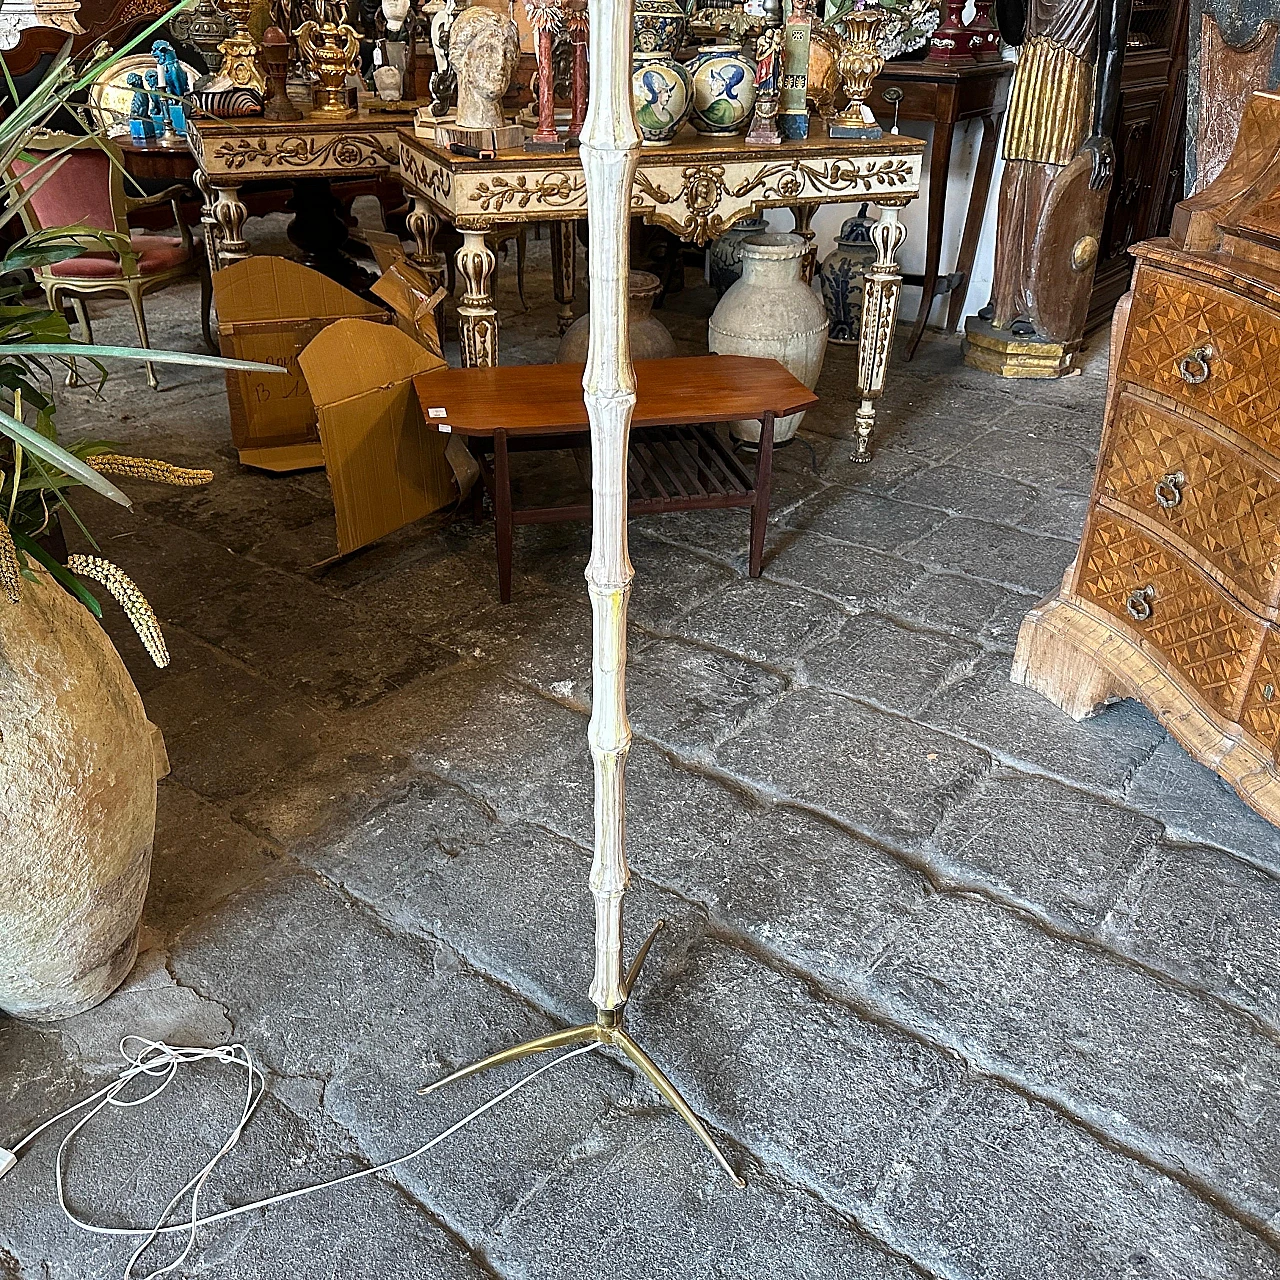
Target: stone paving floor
(967,990)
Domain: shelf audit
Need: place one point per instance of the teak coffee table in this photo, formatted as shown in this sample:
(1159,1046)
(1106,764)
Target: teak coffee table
(677,461)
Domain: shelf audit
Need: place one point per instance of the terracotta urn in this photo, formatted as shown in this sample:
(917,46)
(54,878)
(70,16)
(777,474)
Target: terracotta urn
(649,337)
(726,253)
(78,768)
(662,93)
(724,89)
(771,312)
(659,26)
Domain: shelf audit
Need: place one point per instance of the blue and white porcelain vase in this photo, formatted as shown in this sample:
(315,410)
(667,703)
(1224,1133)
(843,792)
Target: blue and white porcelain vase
(662,92)
(841,276)
(659,26)
(726,253)
(771,312)
(724,89)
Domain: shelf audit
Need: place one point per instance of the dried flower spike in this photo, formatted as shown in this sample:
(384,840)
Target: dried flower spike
(153,469)
(131,600)
(10,569)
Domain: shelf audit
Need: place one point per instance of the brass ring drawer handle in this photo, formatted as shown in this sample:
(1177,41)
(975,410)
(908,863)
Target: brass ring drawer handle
(1169,490)
(1194,367)
(1138,605)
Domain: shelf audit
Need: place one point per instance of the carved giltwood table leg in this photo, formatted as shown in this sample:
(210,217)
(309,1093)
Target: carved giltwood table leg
(423,225)
(564,269)
(803,216)
(229,213)
(881,292)
(207,221)
(477,316)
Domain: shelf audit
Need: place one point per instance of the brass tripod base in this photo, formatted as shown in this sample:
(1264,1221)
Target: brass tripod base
(606,1030)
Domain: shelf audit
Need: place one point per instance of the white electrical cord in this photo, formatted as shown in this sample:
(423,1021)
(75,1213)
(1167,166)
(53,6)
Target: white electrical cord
(159,1061)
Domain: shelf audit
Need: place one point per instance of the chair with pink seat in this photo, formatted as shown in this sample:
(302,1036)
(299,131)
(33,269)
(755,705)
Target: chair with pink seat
(87,190)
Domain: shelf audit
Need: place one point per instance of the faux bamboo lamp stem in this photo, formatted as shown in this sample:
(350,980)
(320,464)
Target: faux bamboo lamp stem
(610,149)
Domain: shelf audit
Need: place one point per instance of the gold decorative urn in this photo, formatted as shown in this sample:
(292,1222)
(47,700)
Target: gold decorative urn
(240,50)
(859,63)
(330,50)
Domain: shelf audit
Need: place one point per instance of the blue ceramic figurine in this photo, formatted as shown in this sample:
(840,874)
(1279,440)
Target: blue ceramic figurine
(157,110)
(174,83)
(141,127)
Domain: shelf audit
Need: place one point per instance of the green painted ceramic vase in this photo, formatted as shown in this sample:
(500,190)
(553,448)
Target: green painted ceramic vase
(663,95)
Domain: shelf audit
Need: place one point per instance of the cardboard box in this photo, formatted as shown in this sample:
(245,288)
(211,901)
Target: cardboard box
(386,466)
(269,309)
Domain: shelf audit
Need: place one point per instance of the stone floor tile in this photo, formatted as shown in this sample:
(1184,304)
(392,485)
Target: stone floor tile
(980,610)
(1063,852)
(859,578)
(1207,917)
(1196,805)
(881,660)
(764,621)
(958,490)
(1017,725)
(863,519)
(877,772)
(994,553)
(1175,1077)
(1035,456)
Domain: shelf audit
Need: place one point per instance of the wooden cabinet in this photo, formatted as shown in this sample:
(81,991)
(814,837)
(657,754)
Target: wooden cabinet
(1174,597)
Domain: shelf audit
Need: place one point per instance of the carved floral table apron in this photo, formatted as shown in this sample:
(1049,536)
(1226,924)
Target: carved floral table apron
(306,152)
(697,187)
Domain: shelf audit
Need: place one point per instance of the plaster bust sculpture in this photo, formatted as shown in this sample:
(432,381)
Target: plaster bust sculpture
(483,49)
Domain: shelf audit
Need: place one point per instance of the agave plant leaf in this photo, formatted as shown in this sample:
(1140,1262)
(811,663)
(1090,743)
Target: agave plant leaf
(54,454)
(97,350)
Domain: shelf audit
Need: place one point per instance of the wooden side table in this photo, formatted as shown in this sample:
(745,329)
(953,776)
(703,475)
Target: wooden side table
(947,96)
(673,466)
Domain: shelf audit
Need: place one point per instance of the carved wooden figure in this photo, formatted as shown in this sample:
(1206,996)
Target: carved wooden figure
(1059,159)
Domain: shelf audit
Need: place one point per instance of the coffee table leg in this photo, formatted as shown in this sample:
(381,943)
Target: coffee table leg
(764,482)
(881,291)
(502,513)
(564,245)
(477,316)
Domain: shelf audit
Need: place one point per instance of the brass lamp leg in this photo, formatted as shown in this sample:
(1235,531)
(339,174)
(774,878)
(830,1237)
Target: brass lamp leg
(672,1095)
(562,1039)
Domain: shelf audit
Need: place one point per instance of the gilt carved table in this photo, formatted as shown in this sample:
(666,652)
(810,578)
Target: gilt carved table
(696,187)
(307,153)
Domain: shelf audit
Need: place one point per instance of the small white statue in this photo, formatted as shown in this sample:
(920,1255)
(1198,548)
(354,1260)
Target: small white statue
(483,50)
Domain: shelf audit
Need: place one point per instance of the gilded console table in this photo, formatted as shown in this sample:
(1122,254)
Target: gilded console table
(307,153)
(697,187)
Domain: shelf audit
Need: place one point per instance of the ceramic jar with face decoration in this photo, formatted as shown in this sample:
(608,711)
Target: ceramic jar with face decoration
(483,49)
(662,92)
(659,26)
(724,89)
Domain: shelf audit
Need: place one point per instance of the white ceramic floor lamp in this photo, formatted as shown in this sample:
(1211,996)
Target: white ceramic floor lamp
(610,146)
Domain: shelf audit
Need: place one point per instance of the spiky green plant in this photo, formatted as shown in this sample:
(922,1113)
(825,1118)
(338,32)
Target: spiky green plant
(36,472)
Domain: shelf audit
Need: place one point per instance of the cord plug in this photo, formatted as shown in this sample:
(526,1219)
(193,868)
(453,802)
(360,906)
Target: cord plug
(7,1161)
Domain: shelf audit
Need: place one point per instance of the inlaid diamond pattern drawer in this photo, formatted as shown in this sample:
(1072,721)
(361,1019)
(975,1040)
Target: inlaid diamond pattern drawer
(1260,715)
(1220,501)
(1156,594)
(1207,349)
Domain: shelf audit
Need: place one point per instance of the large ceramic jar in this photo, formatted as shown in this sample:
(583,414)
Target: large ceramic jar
(726,253)
(659,26)
(78,766)
(771,312)
(663,96)
(649,337)
(724,89)
(841,276)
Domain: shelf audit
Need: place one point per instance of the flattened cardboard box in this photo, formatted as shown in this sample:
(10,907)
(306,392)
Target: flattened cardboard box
(386,465)
(269,309)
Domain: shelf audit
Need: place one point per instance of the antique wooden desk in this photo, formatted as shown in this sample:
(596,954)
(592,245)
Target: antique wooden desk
(306,152)
(947,96)
(697,187)
(671,466)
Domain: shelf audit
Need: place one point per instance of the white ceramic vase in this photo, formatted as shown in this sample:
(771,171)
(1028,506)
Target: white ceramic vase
(771,312)
(78,768)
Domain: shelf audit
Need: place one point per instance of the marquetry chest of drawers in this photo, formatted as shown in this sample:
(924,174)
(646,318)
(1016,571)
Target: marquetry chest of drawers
(1174,597)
